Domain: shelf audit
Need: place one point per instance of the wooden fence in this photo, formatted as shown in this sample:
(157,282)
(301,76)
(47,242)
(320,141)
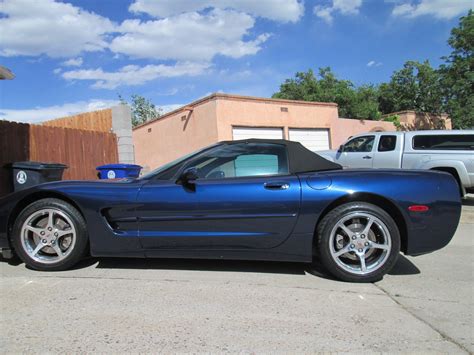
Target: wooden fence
(99,121)
(82,151)
(14,146)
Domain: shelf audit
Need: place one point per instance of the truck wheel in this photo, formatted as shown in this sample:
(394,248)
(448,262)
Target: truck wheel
(50,235)
(358,242)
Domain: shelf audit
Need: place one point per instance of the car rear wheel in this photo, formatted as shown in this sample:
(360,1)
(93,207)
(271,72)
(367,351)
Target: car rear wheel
(50,235)
(358,242)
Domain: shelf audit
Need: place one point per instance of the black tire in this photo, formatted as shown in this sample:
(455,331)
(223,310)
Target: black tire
(323,243)
(78,249)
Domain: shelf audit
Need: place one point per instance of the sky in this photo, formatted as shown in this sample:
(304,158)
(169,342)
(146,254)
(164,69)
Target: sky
(76,56)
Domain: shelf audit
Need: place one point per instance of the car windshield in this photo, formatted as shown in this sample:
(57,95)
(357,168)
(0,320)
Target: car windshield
(169,165)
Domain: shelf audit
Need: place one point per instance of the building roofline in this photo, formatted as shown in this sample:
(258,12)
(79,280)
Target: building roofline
(272,100)
(222,96)
(413,112)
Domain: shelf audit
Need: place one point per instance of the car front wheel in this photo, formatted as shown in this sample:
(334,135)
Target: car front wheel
(50,235)
(358,242)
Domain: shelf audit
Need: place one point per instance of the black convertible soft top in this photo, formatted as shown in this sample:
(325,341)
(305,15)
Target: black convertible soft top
(300,158)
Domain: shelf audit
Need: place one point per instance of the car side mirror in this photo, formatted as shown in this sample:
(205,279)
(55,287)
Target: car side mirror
(341,148)
(188,177)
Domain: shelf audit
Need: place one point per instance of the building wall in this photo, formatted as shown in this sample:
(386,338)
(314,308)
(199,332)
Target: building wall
(255,112)
(411,120)
(234,111)
(212,118)
(176,134)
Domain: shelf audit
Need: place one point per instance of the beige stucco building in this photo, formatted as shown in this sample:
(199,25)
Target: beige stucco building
(220,117)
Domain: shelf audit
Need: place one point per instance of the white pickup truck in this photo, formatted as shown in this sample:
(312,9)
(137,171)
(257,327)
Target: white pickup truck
(450,151)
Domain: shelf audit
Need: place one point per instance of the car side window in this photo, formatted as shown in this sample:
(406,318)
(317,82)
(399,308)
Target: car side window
(362,144)
(387,143)
(241,160)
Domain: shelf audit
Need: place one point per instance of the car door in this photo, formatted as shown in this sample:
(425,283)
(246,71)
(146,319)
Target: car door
(357,152)
(389,152)
(243,198)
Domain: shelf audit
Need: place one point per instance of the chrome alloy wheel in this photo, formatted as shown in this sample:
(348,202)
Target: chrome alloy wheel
(48,236)
(360,243)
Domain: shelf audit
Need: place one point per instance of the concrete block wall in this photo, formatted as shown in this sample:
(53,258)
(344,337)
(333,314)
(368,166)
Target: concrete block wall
(122,127)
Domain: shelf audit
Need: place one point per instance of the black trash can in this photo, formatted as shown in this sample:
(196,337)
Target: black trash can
(30,173)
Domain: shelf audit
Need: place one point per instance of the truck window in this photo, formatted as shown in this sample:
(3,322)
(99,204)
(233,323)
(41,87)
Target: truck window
(444,142)
(360,144)
(387,143)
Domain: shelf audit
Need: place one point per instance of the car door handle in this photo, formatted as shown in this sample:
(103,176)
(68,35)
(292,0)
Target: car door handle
(367,157)
(276,185)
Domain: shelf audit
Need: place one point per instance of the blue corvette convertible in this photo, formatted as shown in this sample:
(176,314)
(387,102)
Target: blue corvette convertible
(251,200)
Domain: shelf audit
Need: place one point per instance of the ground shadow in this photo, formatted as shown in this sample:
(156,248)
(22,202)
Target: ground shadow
(14,260)
(185,264)
(316,269)
(404,267)
(203,265)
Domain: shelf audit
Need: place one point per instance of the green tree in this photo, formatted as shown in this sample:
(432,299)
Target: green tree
(417,86)
(143,110)
(326,87)
(457,74)
(365,103)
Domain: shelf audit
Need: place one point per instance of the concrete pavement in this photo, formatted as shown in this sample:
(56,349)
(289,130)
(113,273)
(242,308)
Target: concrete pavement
(129,305)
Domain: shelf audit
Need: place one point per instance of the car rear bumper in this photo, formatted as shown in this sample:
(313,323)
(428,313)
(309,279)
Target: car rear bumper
(434,229)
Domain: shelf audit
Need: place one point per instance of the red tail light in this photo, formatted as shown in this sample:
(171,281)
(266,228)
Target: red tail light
(418,208)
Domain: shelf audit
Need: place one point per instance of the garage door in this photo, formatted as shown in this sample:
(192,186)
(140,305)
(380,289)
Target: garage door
(249,132)
(313,139)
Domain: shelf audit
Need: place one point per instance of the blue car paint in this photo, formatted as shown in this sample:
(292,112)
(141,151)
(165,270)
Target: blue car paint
(236,209)
(427,231)
(239,218)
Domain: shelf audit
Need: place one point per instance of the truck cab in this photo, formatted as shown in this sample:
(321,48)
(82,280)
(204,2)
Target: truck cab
(451,151)
(374,149)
